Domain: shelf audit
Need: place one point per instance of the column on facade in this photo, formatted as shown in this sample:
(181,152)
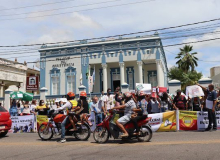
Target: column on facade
(2,89)
(158,73)
(140,71)
(105,83)
(122,72)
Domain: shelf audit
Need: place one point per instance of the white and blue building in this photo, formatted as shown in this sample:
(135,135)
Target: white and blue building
(115,62)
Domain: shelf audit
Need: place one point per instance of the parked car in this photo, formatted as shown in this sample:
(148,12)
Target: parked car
(5,122)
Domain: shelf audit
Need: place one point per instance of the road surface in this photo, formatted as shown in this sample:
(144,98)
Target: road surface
(166,145)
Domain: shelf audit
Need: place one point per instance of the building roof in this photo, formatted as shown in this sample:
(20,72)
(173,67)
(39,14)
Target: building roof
(83,43)
(31,70)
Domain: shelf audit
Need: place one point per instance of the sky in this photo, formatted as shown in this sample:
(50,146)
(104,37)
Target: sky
(82,23)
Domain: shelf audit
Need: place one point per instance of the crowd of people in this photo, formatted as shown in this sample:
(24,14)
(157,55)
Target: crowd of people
(130,105)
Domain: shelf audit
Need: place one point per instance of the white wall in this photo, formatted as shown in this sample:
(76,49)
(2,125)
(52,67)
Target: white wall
(77,65)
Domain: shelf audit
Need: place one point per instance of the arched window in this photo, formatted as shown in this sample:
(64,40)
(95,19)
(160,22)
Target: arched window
(55,81)
(70,73)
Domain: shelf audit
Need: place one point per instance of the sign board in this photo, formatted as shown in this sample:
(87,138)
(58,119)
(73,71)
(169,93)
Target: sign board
(32,83)
(22,124)
(194,91)
(160,90)
(144,87)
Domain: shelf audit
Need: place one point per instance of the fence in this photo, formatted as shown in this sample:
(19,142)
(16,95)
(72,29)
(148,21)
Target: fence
(170,121)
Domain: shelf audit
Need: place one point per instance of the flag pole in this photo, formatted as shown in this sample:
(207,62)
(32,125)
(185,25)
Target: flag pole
(89,82)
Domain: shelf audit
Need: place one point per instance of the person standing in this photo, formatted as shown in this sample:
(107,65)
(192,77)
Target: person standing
(180,101)
(26,109)
(98,108)
(164,101)
(155,106)
(42,108)
(102,95)
(210,106)
(32,107)
(108,100)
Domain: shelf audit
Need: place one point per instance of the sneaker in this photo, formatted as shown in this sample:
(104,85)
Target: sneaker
(62,140)
(214,129)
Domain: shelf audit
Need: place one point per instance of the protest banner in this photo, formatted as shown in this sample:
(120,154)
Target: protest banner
(144,87)
(92,120)
(202,120)
(22,124)
(160,90)
(169,122)
(161,122)
(41,119)
(194,91)
(188,120)
(218,119)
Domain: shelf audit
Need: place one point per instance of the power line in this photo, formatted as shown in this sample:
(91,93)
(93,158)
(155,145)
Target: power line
(171,45)
(160,29)
(205,27)
(77,11)
(197,60)
(59,8)
(36,5)
(165,38)
(36,49)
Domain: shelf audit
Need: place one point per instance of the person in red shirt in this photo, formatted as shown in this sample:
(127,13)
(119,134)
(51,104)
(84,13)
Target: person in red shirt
(180,101)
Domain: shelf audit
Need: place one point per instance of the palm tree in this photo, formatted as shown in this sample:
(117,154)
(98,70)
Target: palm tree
(187,60)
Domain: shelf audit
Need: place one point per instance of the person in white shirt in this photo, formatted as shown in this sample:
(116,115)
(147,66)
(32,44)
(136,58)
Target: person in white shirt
(102,95)
(26,109)
(108,100)
(32,106)
(98,108)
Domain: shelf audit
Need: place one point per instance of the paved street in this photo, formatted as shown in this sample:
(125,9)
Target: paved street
(180,145)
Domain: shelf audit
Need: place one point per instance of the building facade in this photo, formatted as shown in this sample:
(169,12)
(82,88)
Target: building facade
(13,76)
(112,62)
(214,71)
(215,76)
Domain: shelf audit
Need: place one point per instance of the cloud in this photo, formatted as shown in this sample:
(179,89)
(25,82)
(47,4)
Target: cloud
(214,43)
(79,21)
(54,35)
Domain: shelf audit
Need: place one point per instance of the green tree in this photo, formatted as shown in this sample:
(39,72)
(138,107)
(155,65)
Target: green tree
(187,79)
(186,60)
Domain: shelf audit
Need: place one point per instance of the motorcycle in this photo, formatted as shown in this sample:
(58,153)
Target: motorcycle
(108,128)
(47,130)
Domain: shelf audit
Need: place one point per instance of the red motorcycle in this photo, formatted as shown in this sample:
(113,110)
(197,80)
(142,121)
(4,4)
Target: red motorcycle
(47,130)
(108,128)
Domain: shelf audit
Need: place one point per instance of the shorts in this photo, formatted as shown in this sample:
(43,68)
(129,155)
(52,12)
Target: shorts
(125,119)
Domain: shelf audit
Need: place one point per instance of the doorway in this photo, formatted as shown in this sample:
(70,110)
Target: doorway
(116,83)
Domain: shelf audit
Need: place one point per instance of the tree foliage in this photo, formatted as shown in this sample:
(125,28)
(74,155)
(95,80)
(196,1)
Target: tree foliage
(186,60)
(187,79)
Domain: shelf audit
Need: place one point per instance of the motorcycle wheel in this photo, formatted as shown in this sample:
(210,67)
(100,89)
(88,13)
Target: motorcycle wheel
(45,134)
(3,134)
(83,132)
(147,134)
(101,135)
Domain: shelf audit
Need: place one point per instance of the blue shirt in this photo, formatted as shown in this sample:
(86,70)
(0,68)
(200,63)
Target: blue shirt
(211,96)
(143,106)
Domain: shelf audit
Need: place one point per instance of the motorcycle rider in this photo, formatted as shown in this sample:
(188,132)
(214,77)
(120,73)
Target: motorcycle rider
(69,104)
(82,102)
(128,106)
(141,111)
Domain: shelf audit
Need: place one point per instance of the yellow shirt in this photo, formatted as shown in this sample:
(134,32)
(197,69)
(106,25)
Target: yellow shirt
(41,108)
